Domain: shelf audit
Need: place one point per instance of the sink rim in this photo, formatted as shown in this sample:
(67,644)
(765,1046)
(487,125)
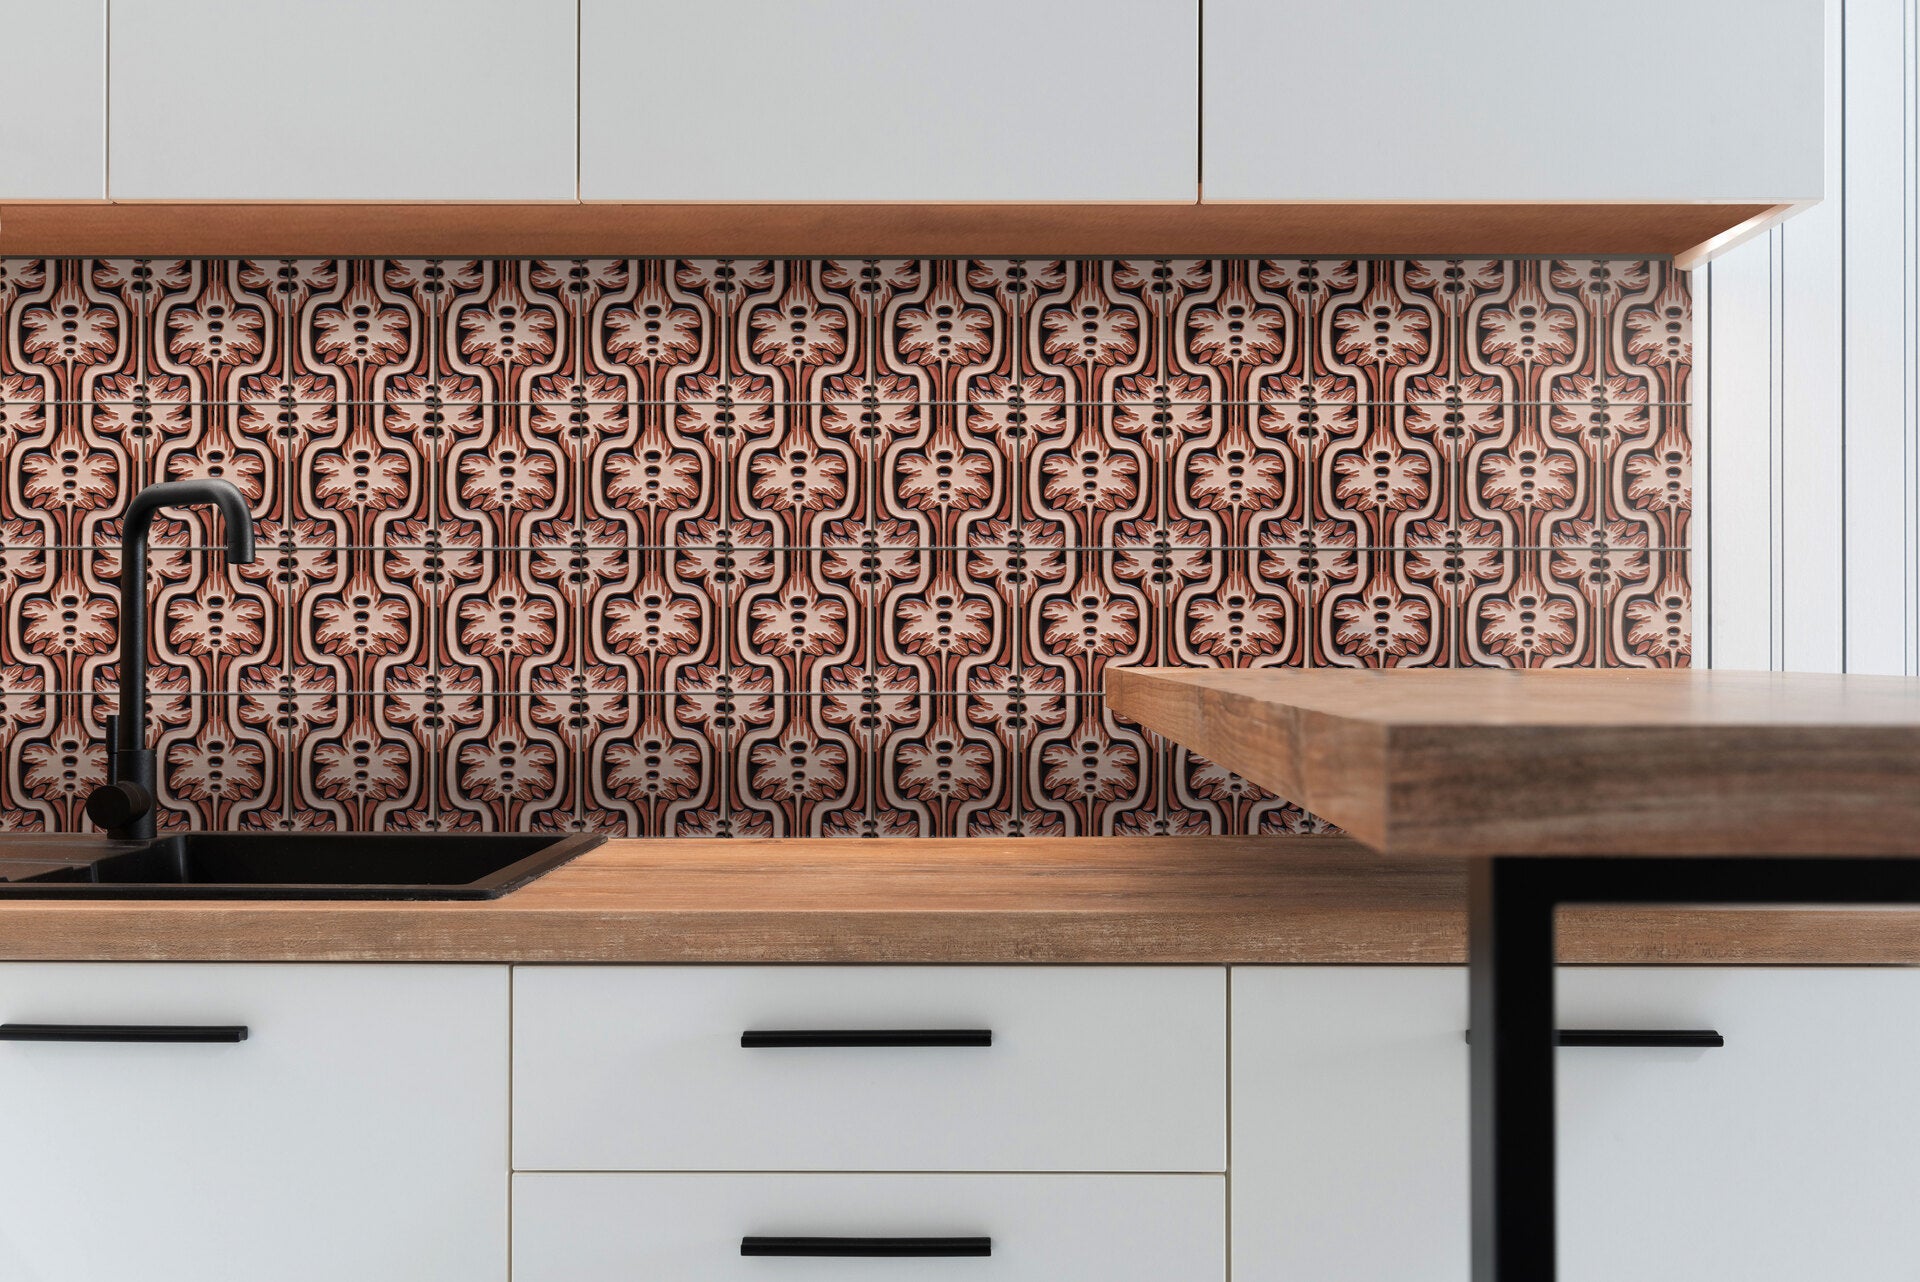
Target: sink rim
(509,877)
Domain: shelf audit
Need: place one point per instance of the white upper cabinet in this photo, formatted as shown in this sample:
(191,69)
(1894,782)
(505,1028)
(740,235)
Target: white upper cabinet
(343,99)
(1514,100)
(1062,100)
(53,100)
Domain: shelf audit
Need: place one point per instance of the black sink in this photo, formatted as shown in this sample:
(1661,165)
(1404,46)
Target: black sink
(315,865)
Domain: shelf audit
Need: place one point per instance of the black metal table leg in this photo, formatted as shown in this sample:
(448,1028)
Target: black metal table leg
(1510,952)
(1511,968)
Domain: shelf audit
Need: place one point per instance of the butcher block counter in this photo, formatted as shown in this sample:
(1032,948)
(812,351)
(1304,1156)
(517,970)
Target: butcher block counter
(1218,900)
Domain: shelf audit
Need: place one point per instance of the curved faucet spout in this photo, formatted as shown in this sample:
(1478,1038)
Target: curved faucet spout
(124,805)
(221,494)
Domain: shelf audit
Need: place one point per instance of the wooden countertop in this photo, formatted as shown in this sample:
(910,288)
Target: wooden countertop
(1628,762)
(1319,900)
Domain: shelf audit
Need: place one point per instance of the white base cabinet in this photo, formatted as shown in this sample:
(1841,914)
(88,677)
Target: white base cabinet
(1091,1068)
(1793,1152)
(1040,1228)
(360,1131)
(358,1134)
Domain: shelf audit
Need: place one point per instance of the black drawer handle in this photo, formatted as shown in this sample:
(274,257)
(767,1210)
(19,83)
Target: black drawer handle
(867,1037)
(870,1247)
(123,1032)
(1691,1037)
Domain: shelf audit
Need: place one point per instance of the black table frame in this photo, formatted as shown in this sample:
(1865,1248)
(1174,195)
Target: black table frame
(1511,966)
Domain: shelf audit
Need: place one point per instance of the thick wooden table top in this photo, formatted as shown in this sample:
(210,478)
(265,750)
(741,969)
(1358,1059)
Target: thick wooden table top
(1485,762)
(1321,900)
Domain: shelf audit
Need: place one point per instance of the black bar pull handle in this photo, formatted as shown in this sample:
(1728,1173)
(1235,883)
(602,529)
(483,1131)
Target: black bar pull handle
(762,1038)
(123,1032)
(1696,1038)
(868,1247)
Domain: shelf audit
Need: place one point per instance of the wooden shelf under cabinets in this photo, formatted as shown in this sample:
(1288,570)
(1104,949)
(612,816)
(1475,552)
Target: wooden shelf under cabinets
(1688,233)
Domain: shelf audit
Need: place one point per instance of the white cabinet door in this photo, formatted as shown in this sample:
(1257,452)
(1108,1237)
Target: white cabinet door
(53,100)
(1090,1068)
(889,100)
(359,1132)
(343,100)
(1039,1228)
(1793,1152)
(1514,100)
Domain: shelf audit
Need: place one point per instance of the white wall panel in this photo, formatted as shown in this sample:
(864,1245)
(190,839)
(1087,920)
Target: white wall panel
(1812,408)
(1880,364)
(1808,417)
(1740,430)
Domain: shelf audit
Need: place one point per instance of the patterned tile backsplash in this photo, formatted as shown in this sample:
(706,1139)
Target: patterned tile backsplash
(805,547)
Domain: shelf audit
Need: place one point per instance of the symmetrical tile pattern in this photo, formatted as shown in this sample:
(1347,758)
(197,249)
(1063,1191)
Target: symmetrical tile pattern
(805,547)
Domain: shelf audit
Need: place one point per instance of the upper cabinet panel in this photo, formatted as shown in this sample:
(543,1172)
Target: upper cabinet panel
(876,100)
(1514,100)
(53,100)
(343,100)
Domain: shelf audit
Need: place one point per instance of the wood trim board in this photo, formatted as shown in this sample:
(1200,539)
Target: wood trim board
(1685,232)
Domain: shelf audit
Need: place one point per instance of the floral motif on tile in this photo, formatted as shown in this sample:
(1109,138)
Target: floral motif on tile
(806,547)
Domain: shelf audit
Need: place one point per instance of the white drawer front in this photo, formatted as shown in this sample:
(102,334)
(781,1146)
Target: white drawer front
(1091,1069)
(358,1133)
(1790,1153)
(1042,1228)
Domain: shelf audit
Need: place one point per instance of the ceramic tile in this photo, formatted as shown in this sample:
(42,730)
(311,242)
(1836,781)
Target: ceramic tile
(766,546)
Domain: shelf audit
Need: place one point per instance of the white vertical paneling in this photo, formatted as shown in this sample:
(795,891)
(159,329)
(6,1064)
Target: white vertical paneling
(1811,391)
(1879,338)
(1813,408)
(1739,428)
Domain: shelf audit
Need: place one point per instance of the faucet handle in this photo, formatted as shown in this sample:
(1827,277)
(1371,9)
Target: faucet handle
(117,807)
(113,733)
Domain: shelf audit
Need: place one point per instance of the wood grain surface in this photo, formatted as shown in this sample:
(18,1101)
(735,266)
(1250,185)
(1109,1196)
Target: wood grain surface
(573,229)
(1317,900)
(1494,762)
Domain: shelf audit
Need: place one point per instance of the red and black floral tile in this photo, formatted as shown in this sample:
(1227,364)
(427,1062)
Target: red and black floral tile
(761,547)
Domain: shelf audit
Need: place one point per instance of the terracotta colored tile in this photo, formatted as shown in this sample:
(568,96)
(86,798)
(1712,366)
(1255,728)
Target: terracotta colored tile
(512,624)
(794,771)
(1652,624)
(943,770)
(946,620)
(1091,771)
(358,614)
(1385,616)
(507,772)
(219,768)
(1527,617)
(645,768)
(850,512)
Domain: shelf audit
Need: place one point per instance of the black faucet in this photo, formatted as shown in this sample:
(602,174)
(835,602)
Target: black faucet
(123,805)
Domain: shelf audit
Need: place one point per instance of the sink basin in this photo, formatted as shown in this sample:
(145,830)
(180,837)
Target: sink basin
(315,865)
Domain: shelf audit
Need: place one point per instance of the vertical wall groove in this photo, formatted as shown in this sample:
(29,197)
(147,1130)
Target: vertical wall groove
(1813,404)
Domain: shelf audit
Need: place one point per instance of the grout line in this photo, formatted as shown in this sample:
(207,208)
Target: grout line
(568,696)
(861,551)
(777,405)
